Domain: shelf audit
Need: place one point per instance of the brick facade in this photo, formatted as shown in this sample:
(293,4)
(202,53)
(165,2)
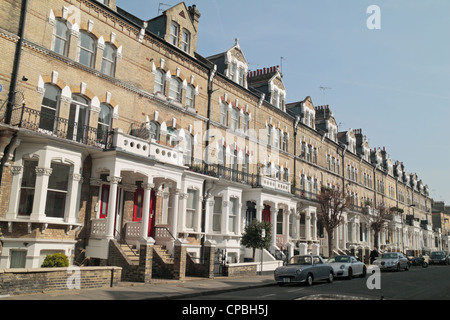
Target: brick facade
(154,175)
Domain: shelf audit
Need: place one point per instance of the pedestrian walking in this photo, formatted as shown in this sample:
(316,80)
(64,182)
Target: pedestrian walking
(373,255)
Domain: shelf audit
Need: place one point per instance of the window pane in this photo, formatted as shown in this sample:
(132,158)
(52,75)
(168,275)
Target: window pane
(29,173)
(17,258)
(159,81)
(191,199)
(55,204)
(109,60)
(175,89)
(59,179)
(26,201)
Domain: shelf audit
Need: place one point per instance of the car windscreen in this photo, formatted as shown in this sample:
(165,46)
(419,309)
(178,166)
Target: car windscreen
(303,260)
(389,256)
(437,254)
(342,259)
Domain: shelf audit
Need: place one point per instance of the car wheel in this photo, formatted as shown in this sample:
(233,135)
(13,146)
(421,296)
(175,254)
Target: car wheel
(330,277)
(364,272)
(350,274)
(309,279)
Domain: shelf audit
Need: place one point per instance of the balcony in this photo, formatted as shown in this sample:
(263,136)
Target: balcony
(275,184)
(303,194)
(47,124)
(146,148)
(224,173)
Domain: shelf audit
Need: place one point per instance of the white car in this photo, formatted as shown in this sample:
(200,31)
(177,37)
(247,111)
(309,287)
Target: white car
(347,266)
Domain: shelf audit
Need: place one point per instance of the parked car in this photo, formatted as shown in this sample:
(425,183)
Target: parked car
(304,269)
(392,261)
(347,266)
(438,257)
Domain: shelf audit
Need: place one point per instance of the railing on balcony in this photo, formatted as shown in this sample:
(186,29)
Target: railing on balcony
(276,184)
(46,123)
(304,194)
(225,173)
(146,148)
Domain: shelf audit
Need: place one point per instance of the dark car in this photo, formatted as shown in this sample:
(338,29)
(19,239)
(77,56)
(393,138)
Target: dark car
(438,257)
(304,269)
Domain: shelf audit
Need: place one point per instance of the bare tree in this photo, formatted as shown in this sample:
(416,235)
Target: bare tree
(332,205)
(379,219)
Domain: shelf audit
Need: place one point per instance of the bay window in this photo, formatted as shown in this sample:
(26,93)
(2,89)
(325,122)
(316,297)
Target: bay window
(232,215)
(191,208)
(57,190)
(217,214)
(27,187)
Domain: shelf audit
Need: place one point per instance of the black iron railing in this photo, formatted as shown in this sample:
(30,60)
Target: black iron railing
(45,122)
(225,173)
(303,194)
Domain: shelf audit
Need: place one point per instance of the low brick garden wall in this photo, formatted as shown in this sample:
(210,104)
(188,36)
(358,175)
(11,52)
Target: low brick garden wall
(29,281)
(240,269)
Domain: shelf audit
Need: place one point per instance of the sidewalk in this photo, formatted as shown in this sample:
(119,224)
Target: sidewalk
(159,289)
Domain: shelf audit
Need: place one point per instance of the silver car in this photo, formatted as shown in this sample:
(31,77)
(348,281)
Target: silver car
(304,269)
(392,261)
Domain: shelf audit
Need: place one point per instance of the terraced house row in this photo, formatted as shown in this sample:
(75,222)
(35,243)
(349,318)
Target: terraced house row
(115,129)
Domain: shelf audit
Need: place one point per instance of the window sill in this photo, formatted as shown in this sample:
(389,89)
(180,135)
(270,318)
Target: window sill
(44,223)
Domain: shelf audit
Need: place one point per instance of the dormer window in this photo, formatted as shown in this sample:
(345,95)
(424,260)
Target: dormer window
(185,40)
(174,33)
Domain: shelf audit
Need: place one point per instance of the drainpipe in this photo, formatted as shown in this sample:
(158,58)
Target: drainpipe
(295,147)
(206,193)
(13,84)
(15,72)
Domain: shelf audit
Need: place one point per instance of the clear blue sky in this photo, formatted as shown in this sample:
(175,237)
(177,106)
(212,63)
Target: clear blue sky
(393,83)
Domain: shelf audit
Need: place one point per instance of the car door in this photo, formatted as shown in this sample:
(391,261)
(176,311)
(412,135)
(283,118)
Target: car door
(356,266)
(319,268)
(402,260)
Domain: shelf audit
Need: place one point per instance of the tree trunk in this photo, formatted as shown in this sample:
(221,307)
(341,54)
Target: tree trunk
(375,238)
(330,243)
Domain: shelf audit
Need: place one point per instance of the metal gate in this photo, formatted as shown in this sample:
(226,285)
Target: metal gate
(219,262)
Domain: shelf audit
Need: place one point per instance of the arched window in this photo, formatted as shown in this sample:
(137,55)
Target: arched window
(78,118)
(154,130)
(49,107)
(86,49)
(61,37)
(109,60)
(172,137)
(190,96)
(104,121)
(175,89)
(223,114)
(188,149)
(159,81)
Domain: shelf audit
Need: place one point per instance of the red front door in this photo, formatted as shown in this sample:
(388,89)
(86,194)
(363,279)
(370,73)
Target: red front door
(266,214)
(138,209)
(104,201)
